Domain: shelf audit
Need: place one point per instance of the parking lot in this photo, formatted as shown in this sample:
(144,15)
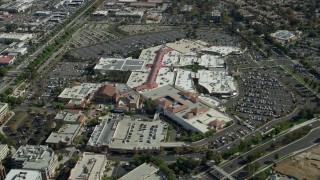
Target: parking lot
(141,29)
(31,129)
(65,73)
(121,48)
(137,133)
(89,34)
(264,98)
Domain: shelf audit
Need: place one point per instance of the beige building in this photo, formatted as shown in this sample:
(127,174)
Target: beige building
(90,166)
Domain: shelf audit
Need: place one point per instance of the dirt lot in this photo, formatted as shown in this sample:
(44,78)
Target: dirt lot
(305,165)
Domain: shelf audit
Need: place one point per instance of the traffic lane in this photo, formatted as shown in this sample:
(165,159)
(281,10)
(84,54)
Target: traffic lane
(309,140)
(239,162)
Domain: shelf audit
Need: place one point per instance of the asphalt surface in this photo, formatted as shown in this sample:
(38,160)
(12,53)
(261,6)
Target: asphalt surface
(235,166)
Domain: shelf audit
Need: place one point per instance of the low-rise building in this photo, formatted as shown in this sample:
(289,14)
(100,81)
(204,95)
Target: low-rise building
(116,64)
(65,135)
(284,36)
(71,116)
(20,174)
(15,37)
(4,151)
(7,60)
(90,166)
(36,157)
(4,109)
(186,108)
(146,171)
(79,95)
(120,94)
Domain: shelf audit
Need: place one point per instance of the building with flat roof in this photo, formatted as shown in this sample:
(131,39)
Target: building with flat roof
(23,174)
(217,82)
(65,135)
(110,64)
(284,36)
(4,151)
(128,134)
(71,116)
(16,6)
(90,166)
(4,109)
(79,95)
(36,157)
(15,37)
(146,171)
(186,109)
(7,60)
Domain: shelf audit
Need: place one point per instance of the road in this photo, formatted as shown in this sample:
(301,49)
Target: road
(4,85)
(235,166)
(311,139)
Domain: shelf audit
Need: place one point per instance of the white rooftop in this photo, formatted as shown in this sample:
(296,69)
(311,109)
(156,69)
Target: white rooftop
(208,60)
(137,78)
(145,171)
(184,80)
(79,92)
(106,64)
(149,54)
(90,166)
(185,46)
(65,134)
(171,58)
(222,50)
(23,174)
(165,77)
(217,81)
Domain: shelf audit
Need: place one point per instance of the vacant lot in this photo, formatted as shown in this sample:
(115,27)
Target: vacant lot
(305,165)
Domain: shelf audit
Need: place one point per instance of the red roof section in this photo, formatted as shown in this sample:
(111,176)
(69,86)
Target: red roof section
(6,60)
(107,90)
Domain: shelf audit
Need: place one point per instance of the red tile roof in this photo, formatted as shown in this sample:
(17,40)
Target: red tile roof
(6,59)
(107,90)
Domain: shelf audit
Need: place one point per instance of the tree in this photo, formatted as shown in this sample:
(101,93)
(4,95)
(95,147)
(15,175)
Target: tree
(276,156)
(3,71)
(213,155)
(150,106)
(251,168)
(117,163)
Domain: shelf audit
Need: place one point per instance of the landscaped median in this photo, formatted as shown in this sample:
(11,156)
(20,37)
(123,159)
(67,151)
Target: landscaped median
(250,156)
(299,79)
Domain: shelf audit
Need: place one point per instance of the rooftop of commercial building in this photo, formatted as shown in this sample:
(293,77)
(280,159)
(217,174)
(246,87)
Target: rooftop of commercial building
(80,91)
(20,36)
(35,156)
(120,64)
(283,35)
(65,134)
(71,116)
(185,46)
(89,166)
(165,76)
(184,80)
(149,54)
(137,78)
(23,174)
(217,81)
(186,105)
(146,171)
(139,134)
(222,50)
(103,133)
